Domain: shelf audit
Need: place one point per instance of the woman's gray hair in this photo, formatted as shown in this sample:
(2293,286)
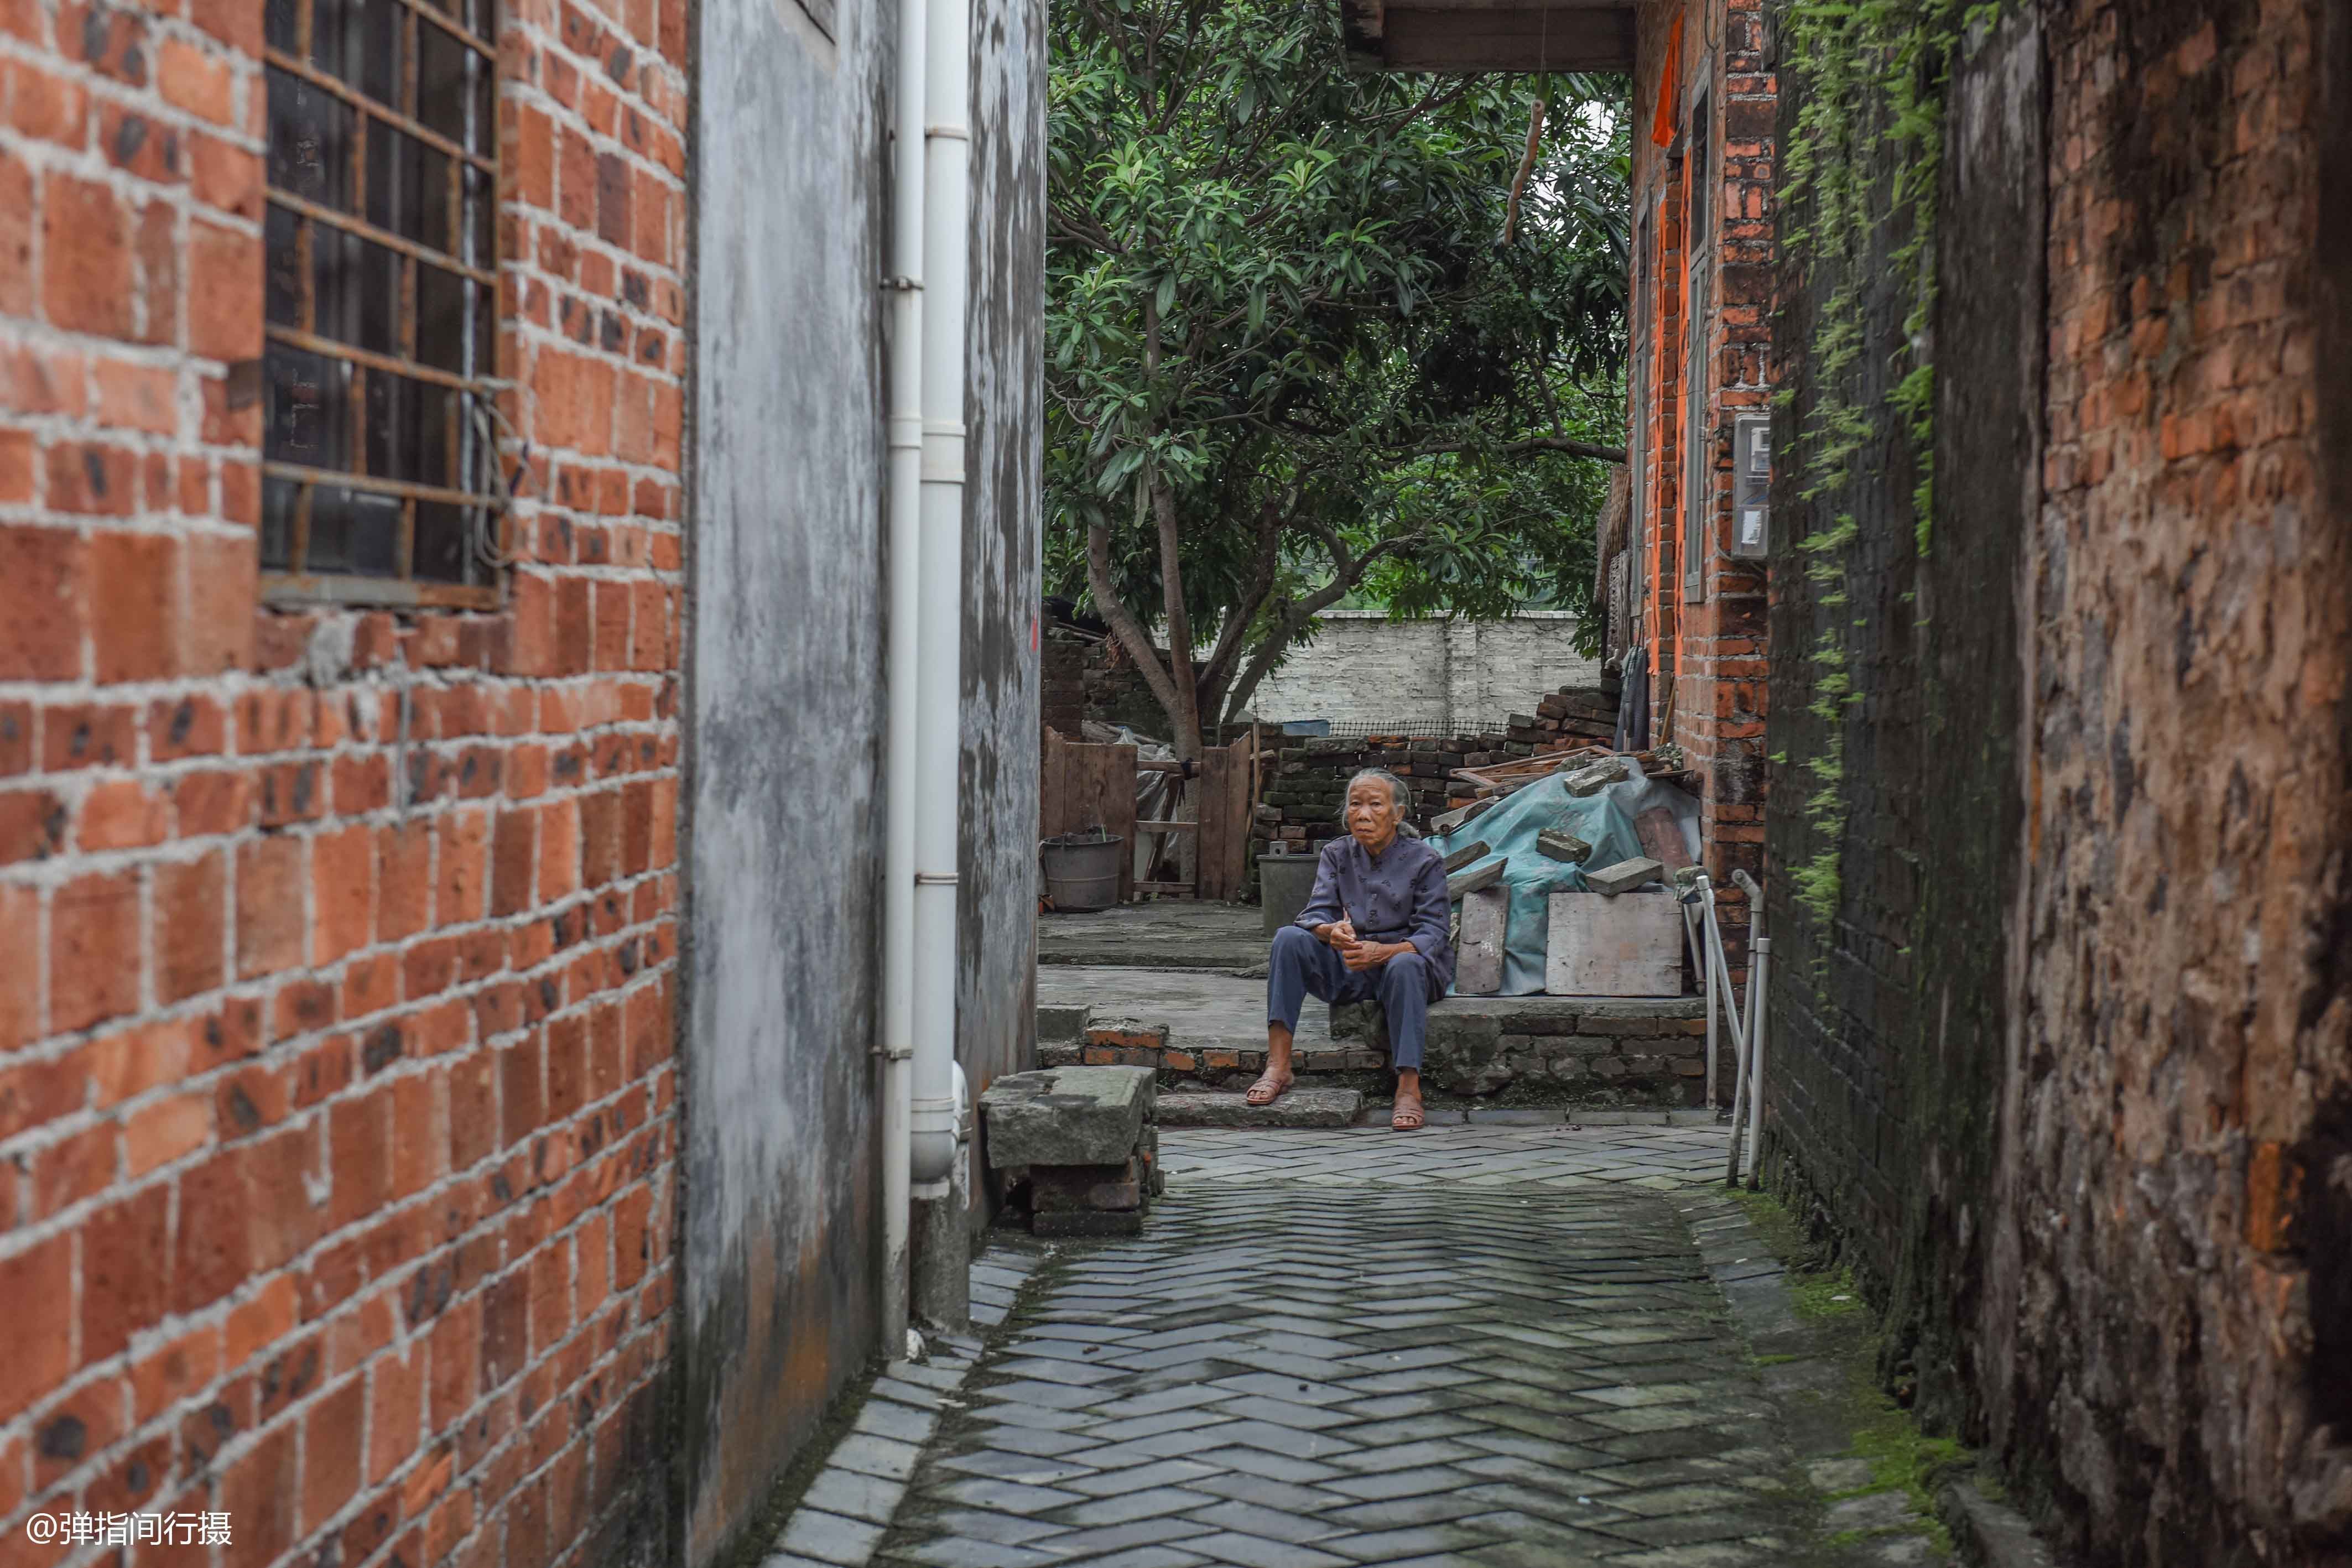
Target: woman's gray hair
(1399,795)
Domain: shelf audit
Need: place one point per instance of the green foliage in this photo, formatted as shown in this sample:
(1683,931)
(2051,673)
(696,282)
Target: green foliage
(1870,76)
(1289,358)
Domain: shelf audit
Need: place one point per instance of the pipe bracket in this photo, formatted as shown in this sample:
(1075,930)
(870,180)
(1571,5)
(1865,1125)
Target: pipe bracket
(935,879)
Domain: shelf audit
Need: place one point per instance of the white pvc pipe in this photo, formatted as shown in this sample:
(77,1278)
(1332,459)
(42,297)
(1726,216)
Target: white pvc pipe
(903,525)
(947,148)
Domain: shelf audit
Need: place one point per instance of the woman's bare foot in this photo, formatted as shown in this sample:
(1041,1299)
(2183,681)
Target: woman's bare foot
(1271,1086)
(1408,1116)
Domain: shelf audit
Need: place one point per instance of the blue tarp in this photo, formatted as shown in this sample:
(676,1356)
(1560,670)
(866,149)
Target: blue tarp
(1605,821)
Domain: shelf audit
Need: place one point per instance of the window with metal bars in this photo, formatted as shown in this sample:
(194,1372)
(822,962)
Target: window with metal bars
(380,457)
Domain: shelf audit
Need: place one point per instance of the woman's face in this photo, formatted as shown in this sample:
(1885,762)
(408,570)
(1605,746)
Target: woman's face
(1372,813)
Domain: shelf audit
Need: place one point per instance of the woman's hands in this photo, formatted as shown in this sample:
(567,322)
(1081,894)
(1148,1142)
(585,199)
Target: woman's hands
(1357,954)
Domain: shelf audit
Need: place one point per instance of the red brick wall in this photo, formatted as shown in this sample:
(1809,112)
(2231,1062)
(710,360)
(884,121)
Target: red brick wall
(337,952)
(2173,1327)
(1714,647)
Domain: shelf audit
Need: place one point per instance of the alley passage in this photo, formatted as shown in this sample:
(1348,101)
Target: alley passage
(1284,1374)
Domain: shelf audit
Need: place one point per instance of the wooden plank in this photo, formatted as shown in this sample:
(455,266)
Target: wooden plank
(1093,787)
(1661,838)
(1222,808)
(1478,960)
(1630,946)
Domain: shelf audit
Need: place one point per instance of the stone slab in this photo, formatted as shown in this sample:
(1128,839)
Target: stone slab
(1476,850)
(1629,947)
(1624,876)
(1463,883)
(1062,1020)
(1066,1115)
(1594,780)
(1478,957)
(1298,1108)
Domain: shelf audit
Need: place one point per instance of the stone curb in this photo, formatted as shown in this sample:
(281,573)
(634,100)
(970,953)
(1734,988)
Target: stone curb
(1989,1535)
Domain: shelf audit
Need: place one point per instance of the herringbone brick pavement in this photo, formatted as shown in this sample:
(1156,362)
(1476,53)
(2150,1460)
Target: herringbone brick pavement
(1289,1373)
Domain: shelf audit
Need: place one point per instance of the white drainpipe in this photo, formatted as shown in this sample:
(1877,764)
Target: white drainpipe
(904,428)
(946,157)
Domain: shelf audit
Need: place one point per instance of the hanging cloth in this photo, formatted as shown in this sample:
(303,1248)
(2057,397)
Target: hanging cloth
(1662,126)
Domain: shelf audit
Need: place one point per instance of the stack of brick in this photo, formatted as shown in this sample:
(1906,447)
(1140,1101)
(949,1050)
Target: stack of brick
(1085,1140)
(1573,715)
(1307,783)
(1062,683)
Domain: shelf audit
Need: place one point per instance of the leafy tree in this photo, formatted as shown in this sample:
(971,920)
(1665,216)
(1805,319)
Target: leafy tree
(1292,356)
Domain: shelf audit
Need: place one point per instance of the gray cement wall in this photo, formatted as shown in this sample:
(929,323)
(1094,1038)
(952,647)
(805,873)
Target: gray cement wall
(996,1013)
(1424,677)
(779,1306)
(785,708)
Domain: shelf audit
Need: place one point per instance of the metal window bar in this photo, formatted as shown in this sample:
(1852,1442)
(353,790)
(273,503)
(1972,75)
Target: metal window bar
(384,383)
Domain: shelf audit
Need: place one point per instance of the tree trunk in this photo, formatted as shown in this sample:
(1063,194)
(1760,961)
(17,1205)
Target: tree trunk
(1186,714)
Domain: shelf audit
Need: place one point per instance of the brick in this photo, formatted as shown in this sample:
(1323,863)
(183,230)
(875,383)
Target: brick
(18,207)
(166,1131)
(94,948)
(124,1273)
(342,892)
(42,1271)
(47,571)
(260,1492)
(270,899)
(87,280)
(191,912)
(134,625)
(224,305)
(121,814)
(515,854)
(195,80)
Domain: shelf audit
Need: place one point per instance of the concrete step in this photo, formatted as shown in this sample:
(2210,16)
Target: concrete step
(1299,1108)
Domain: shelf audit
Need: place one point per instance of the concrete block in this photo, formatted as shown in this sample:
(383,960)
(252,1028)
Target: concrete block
(1594,780)
(1298,1108)
(1074,1189)
(1624,876)
(1094,1225)
(1066,1115)
(1476,850)
(1463,883)
(1061,1020)
(1563,846)
(1478,957)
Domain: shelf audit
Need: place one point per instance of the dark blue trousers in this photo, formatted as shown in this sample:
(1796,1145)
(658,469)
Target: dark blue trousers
(1301,965)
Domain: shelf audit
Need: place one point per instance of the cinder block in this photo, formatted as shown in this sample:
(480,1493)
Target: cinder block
(1476,849)
(1563,846)
(1072,1189)
(1624,876)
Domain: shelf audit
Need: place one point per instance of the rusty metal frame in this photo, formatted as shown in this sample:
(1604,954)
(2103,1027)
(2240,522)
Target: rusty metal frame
(296,584)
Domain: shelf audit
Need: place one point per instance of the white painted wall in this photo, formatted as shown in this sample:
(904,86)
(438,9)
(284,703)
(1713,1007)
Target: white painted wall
(1429,677)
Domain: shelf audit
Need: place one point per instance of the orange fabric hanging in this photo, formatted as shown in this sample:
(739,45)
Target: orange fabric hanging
(1662,129)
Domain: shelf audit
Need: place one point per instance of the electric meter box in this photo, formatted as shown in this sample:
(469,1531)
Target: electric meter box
(1751,485)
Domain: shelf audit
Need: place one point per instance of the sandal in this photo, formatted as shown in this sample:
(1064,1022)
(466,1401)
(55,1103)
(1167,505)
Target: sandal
(1267,1089)
(1408,1117)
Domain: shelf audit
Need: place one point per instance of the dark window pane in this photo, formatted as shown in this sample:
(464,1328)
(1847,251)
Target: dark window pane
(330,530)
(442,555)
(444,83)
(335,282)
(309,411)
(281,238)
(483,355)
(309,142)
(359,41)
(441,319)
(376,535)
(379,299)
(434,207)
(394,196)
(409,427)
(278,500)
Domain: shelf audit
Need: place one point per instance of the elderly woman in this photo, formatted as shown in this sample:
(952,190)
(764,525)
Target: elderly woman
(1375,927)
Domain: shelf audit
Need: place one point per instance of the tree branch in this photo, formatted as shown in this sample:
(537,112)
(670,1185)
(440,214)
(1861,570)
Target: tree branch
(1123,623)
(1351,569)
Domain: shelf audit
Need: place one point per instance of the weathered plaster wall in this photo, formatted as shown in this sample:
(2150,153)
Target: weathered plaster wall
(996,1012)
(1425,677)
(785,675)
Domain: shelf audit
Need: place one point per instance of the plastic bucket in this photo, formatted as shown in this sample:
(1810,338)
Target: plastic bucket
(1082,870)
(1283,883)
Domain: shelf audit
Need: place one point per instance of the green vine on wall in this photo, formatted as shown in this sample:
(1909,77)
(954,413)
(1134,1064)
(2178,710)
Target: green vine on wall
(1870,76)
